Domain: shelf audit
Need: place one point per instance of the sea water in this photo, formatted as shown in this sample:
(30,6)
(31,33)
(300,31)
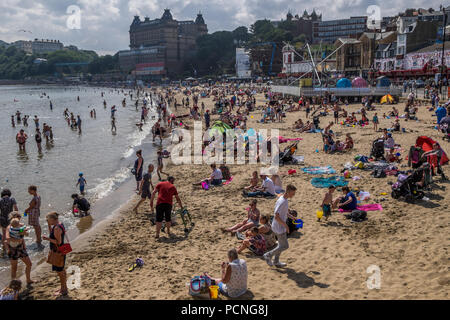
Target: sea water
(104,157)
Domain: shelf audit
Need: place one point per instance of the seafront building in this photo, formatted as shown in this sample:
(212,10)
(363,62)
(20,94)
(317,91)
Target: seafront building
(39,46)
(159,47)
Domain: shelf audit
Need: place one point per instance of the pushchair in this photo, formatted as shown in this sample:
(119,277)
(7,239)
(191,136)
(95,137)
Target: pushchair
(287,156)
(406,186)
(185,218)
(377,151)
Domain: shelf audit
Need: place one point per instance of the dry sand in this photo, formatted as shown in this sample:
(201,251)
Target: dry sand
(327,260)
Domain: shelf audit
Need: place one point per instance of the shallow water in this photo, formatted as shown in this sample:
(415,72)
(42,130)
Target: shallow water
(104,158)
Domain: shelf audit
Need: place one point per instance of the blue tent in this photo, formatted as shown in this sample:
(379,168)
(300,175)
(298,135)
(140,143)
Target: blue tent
(383,82)
(344,83)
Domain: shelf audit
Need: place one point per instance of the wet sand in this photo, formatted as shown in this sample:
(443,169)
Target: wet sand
(326,260)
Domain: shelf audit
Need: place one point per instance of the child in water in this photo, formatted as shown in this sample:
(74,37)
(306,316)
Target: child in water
(327,202)
(82,182)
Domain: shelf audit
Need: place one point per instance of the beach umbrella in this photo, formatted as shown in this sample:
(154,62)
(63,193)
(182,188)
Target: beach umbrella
(359,82)
(387,99)
(343,83)
(220,127)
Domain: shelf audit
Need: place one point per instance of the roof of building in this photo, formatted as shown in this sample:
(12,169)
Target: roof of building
(377,35)
(434,47)
(348,40)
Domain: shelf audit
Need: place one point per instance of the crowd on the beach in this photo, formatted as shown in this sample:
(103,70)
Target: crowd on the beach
(263,234)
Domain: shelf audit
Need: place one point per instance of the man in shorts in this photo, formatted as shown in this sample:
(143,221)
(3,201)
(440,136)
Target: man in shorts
(166,191)
(144,189)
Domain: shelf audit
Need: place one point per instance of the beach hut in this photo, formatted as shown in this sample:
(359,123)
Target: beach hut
(343,83)
(383,82)
(387,99)
(359,82)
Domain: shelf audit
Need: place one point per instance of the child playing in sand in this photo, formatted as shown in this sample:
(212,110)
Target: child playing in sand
(327,202)
(392,157)
(82,182)
(253,182)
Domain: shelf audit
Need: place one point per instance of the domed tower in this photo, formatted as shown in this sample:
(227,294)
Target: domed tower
(167,16)
(201,25)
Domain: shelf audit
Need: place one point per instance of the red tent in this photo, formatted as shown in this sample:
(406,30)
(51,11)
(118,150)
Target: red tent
(426,144)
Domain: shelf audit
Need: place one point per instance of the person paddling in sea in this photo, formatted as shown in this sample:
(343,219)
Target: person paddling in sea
(137,169)
(21,139)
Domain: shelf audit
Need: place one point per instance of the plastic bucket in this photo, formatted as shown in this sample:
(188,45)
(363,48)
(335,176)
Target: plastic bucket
(319,214)
(298,223)
(213,291)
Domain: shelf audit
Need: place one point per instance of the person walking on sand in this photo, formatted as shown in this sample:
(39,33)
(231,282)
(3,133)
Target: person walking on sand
(34,212)
(280,227)
(144,190)
(166,191)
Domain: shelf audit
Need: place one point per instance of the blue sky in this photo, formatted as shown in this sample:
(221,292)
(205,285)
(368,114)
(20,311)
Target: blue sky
(105,23)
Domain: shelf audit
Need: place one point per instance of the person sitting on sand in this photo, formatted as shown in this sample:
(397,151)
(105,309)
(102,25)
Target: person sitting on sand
(278,184)
(346,202)
(252,219)
(392,157)
(396,125)
(215,179)
(254,241)
(348,142)
(265,229)
(298,125)
(344,113)
(394,112)
(233,282)
(267,188)
(253,182)
(389,143)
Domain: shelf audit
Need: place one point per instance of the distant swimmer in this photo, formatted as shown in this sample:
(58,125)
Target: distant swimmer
(13,124)
(104,104)
(18,116)
(38,139)
(51,105)
(113,124)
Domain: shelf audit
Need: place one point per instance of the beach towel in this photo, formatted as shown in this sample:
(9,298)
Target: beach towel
(326,182)
(225,182)
(319,170)
(298,159)
(366,207)
(284,140)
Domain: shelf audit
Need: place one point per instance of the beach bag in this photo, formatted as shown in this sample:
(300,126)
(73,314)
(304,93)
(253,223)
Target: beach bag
(66,247)
(199,285)
(55,258)
(379,173)
(358,215)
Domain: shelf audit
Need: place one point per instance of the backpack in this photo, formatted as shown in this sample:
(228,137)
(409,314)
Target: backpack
(357,215)
(379,173)
(199,284)
(225,172)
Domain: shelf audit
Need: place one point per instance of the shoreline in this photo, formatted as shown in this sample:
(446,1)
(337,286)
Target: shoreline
(326,260)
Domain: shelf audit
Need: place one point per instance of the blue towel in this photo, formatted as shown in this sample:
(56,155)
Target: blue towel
(319,170)
(326,182)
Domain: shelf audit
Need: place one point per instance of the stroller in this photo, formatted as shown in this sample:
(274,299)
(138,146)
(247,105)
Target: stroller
(377,151)
(406,186)
(286,157)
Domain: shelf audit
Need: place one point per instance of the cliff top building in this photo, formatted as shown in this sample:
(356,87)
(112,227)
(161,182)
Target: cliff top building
(160,46)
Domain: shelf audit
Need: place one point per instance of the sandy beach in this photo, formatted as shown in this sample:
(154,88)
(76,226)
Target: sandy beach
(326,260)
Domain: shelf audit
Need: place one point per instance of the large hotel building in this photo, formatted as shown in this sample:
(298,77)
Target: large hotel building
(159,47)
